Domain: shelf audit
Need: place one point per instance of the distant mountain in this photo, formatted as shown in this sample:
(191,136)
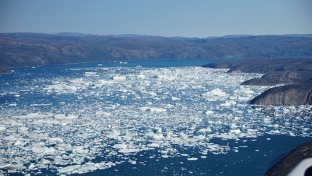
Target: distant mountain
(73,34)
(299,35)
(30,49)
(237,36)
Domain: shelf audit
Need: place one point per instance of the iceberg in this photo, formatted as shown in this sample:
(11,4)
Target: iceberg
(68,169)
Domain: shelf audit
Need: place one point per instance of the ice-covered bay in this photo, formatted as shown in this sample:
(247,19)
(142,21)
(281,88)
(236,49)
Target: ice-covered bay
(98,117)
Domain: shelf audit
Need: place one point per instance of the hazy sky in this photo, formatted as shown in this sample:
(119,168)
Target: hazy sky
(189,18)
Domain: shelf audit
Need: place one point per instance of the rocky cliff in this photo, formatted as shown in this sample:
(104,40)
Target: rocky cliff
(285,95)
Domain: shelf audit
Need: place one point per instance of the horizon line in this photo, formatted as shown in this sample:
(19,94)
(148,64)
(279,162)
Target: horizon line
(150,35)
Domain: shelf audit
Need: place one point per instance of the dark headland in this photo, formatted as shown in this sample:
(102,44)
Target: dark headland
(295,74)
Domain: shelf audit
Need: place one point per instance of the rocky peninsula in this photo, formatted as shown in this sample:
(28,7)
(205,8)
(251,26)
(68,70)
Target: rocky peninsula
(285,95)
(294,74)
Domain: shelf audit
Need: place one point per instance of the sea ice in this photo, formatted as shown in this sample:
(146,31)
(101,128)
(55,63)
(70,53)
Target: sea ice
(83,120)
(68,169)
(192,159)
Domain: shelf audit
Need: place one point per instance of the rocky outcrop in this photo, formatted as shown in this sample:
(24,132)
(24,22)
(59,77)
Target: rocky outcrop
(282,77)
(285,95)
(286,71)
(266,65)
(289,162)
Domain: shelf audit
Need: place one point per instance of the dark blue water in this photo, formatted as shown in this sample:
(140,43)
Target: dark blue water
(248,161)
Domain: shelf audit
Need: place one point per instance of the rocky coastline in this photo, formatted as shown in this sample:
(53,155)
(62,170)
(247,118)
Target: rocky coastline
(292,76)
(285,95)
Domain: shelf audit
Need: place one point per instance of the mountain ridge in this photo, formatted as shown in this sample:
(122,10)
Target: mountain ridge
(33,49)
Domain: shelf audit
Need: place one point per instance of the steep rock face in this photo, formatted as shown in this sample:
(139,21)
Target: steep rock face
(285,95)
(284,166)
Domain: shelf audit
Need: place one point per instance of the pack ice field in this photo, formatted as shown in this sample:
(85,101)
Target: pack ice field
(88,118)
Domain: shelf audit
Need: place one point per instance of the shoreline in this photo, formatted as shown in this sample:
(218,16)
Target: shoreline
(294,74)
